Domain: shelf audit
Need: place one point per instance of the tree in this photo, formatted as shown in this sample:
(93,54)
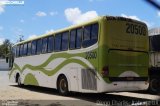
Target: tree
(21,38)
(5,48)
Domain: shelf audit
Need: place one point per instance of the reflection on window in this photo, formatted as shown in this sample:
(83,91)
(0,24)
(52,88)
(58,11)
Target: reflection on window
(21,50)
(29,49)
(44,45)
(58,42)
(72,39)
(65,40)
(94,32)
(90,35)
(79,38)
(34,47)
(39,46)
(17,51)
(87,30)
(14,51)
(50,44)
(25,49)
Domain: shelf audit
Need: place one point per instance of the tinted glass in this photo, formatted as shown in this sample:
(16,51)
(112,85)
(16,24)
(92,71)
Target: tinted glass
(17,51)
(44,45)
(90,35)
(58,42)
(94,32)
(79,38)
(34,43)
(39,46)
(29,48)
(72,39)
(50,44)
(65,40)
(25,49)
(87,30)
(21,50)
(14,50)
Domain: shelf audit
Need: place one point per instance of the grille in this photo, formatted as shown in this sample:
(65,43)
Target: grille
(89,79)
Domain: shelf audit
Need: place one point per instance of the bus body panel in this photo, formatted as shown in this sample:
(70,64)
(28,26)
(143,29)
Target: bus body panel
(84,67)
(124,54)
(128,64)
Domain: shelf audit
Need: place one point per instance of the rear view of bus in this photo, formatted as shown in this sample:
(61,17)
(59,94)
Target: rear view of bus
(124,59)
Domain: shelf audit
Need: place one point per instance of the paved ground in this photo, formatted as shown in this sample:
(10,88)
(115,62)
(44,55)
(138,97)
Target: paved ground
(10,93)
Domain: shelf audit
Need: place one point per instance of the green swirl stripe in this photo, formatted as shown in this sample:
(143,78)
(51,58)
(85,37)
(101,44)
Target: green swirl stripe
(49,72)
(30,80)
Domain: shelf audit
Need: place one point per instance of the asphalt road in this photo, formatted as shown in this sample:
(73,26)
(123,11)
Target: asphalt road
(11,94)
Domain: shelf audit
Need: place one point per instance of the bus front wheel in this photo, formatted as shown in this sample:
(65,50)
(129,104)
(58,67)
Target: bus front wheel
(19,81)
(62,85)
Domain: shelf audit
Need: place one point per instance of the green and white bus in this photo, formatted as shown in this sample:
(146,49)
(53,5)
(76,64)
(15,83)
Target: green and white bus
(105,54)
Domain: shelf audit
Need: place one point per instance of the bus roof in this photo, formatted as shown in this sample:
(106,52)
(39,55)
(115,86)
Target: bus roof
(72,27)
(61,30)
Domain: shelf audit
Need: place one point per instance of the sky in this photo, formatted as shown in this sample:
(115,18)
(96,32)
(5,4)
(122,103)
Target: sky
(37,17)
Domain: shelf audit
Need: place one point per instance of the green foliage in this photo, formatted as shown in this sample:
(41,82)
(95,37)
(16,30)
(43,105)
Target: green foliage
(5,49)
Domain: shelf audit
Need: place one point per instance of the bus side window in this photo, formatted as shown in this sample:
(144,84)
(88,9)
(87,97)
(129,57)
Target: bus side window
(29,49)
(50,44)
(25,49)
(87,33)
(65,40)
(79,38)
(86,36)
(21,50)
(44,45)
(90,36)
(17,51)
(34,43)
(94,32)
(39,46)
(58,41)
(72,39)
(14,50)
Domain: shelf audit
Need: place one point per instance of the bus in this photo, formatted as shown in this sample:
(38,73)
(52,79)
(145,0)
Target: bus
(154,71)
(106,54)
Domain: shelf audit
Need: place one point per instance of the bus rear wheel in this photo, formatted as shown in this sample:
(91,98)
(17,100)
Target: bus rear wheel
(62,85)
(154,86)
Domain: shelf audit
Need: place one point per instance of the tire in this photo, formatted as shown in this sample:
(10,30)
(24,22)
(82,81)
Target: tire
(19,81)
(154,86)
(62,85)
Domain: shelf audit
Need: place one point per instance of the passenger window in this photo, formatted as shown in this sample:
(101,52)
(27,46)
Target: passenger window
(25,49)
(44,45)
(21,50)
(65,40)
(94,32)
(39,46)
(72,39)
(50,44)
(87,30)
(90,35)
(79,38)
(17,51)
(58,42)
(34,43)
(29,49)
(14,51)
